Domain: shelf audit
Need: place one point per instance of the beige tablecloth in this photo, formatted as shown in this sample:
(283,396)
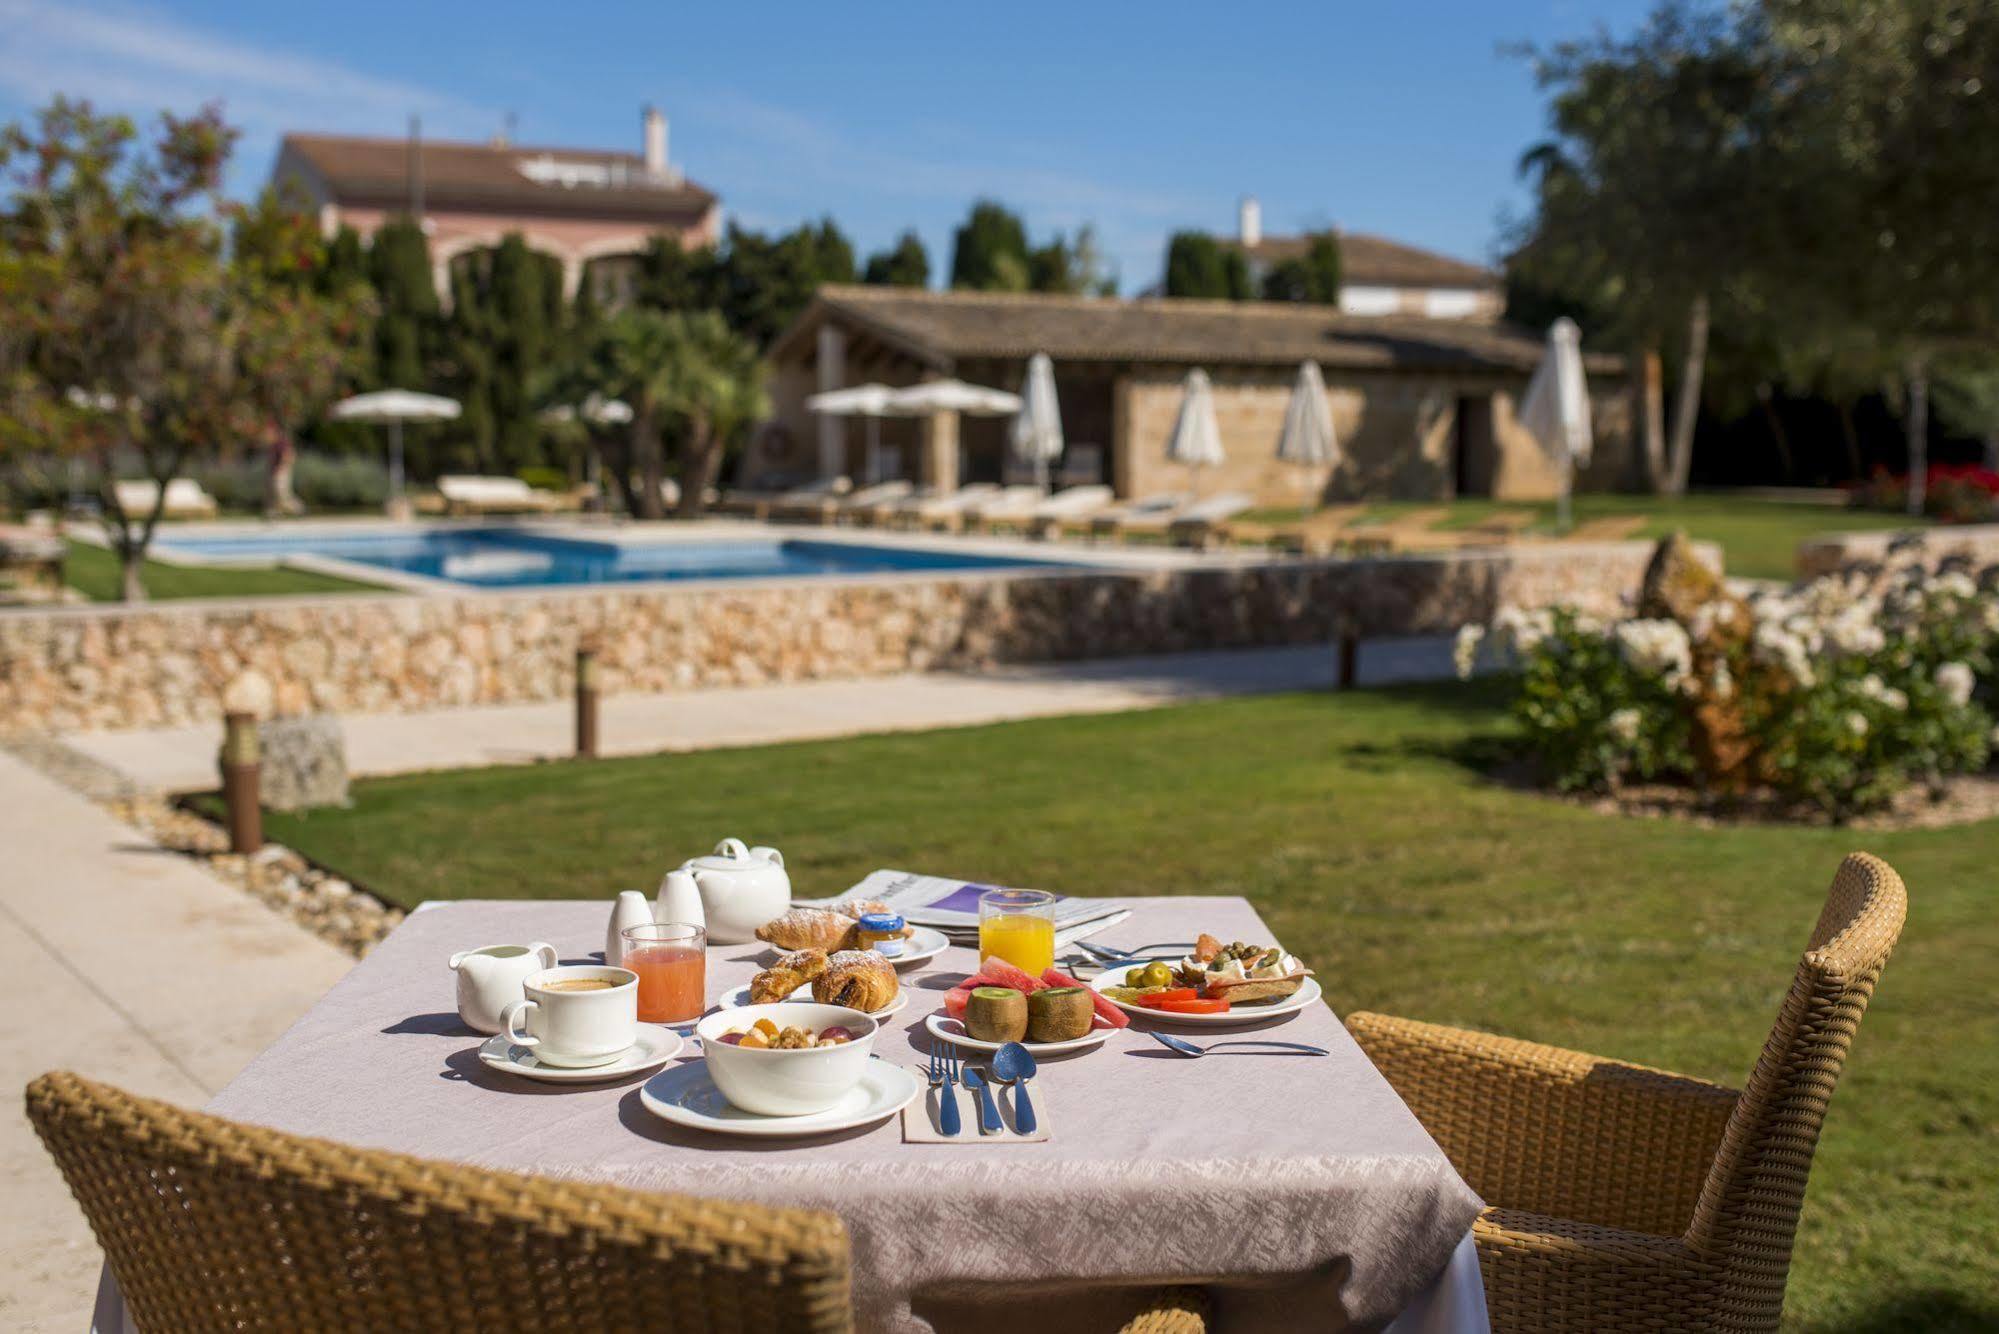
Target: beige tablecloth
(1301,1189)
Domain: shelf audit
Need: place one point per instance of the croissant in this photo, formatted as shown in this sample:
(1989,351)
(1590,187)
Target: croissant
(787,975)
(809,929)
(857,979)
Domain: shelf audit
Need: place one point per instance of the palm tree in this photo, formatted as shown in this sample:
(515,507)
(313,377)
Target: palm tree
(716,391)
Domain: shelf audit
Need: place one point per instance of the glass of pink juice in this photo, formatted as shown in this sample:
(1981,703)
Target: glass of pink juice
(671,959)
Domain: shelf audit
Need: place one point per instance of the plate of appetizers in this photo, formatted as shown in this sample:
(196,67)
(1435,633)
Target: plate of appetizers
(1048,1015)
(1216,986)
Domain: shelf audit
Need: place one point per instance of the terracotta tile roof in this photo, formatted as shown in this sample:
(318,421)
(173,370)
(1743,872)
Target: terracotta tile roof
(939,327)
(489,178)
(1376,261)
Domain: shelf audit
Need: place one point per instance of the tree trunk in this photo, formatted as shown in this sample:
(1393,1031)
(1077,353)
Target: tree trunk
(1854,466)
(1918,426)
(131,567)
(1992,451)
(1686,413)
(697,474)
(646,454)
(1766,397)
(1648,416)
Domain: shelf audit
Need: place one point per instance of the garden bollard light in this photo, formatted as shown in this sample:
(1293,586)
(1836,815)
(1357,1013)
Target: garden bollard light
(241,763)
(586,704)
(1349,657)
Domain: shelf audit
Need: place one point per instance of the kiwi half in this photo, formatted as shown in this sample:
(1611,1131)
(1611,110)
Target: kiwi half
(996,1014)
(1058,1014)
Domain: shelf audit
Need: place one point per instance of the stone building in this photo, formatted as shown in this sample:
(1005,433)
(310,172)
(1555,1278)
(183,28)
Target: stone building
(594,210)
(1424,407)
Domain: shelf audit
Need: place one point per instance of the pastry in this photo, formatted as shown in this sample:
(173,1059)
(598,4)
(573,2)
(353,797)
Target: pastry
(857,979)
(810,929)
(788,974)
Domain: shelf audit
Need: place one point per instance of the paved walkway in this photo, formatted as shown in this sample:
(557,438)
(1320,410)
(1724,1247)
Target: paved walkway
(130,964)
(179,759)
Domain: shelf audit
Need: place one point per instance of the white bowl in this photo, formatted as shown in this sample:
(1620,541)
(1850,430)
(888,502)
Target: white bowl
(771,1081)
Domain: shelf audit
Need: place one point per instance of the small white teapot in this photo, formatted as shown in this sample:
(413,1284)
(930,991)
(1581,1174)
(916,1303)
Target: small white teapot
(741,889)
(489,979)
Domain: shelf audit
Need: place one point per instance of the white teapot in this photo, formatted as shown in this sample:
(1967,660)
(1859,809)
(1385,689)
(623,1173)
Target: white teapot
(741,889)
(489,979)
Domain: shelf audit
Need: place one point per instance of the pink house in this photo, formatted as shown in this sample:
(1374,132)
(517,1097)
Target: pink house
(592,209)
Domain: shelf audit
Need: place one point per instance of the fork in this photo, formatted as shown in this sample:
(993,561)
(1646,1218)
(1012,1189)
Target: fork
(944,1074)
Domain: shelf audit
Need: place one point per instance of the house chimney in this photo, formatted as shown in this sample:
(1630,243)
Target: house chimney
(1249,221)
(655,138)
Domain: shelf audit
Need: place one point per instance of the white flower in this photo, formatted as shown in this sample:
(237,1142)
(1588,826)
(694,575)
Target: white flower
(1856,723)
(1656,648)
(1955,680)
(1464,650)
(1623,724)
(1872,687)
(1956,584)
(1853,631)
(1777,647)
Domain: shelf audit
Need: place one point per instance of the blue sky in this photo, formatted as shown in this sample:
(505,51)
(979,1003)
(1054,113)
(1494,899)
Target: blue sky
(1399,118)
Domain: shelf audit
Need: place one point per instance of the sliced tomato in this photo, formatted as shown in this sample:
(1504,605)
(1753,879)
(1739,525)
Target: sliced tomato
(1193,1005)
(1156,999)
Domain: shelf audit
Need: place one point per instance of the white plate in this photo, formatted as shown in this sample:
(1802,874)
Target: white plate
(735,1000)
(1237,1015)
(655,1045)
(686,1095)
(920,946)
(953,1030)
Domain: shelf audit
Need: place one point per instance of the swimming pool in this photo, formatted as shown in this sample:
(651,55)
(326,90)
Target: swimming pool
(512,558)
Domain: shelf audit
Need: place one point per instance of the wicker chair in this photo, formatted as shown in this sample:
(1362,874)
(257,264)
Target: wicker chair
(1629,1198)
(211,1224)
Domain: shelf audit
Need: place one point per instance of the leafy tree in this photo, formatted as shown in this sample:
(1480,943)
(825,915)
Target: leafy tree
(407,326)
(672,277)
(762,283)
(907,265)
(989,251)
(1967,400)
(1197,265)
(1072,265)
(1652,198)
(1313,276)
(346,266)
(130,336)
(715,393)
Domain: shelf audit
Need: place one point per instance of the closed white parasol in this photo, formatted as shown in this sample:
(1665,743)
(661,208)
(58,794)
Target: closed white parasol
(1555,410)
(1307,440)
(1036,437)
(1197,439)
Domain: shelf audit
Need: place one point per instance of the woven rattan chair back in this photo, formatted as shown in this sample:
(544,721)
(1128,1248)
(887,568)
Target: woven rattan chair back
(209,1224)
(1748,1210)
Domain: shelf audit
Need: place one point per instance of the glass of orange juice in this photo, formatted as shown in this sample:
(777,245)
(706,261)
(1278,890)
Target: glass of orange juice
(1018,925)
(671,959)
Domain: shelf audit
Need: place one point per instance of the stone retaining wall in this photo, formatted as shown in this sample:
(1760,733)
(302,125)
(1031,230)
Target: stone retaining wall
(1979,542)
(117,667)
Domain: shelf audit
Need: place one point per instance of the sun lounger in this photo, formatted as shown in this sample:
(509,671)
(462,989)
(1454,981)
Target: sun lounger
(185,499)
(1205,523)
(1612,528)
(880,513)
(1116,520)
(867,498)
(814,503)
(1067,506)
(759,504)
(1010,507)
(465,494)
(933,508)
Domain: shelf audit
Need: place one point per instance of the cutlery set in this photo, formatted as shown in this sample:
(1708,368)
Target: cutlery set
(1012,1067)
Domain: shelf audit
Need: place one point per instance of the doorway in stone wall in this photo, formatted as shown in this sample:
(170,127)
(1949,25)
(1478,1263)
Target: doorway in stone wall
(1473,461)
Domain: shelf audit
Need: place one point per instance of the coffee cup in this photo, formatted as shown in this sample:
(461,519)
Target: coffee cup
(576,1015)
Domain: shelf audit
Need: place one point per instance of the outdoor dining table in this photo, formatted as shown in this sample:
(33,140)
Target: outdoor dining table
(1299,1190)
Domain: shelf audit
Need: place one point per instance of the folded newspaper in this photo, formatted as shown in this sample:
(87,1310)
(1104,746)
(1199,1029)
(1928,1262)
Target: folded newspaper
(952,906)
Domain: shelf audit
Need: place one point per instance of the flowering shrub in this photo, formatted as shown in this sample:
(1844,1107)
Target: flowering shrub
(1839,693)
(1953,492)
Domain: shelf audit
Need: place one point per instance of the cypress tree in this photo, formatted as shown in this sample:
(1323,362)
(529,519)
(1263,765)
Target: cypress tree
(908,265)
(406,325)
(989,252)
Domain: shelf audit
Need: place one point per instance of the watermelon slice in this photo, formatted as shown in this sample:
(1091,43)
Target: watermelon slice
(1000,973)
(958,997)
(1106,1011)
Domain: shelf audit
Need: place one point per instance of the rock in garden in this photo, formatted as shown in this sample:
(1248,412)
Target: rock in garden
(1680,586)
(304,763)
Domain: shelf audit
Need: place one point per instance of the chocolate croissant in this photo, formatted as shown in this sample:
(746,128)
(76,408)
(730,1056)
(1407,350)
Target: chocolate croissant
(787,975)
(857,979)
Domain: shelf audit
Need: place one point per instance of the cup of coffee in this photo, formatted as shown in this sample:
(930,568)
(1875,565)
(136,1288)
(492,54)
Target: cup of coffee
(577,1015)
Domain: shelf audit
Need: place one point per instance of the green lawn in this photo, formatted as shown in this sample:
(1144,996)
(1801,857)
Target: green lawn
(1361,831)
(93,571)
(1760,537)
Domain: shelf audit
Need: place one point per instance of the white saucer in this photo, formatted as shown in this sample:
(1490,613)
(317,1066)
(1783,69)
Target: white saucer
(920,946)
(654,1046)
(687,1096)
(953,1030)
(1238,1015)
(733,1000)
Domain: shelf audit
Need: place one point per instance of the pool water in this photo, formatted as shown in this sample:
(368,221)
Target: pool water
(504,558)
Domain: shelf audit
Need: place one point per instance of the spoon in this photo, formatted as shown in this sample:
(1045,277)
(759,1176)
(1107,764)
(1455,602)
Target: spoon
(1014,1066)
(989,1122)
(1186,1048)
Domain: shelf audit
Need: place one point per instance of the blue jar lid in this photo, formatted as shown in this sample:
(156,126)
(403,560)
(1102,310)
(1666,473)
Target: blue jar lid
(880,921)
